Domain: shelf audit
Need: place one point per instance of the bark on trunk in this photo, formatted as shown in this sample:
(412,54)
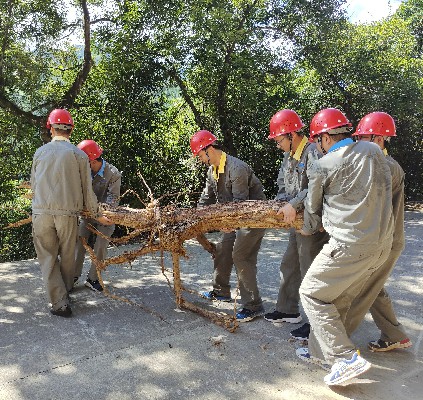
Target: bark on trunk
(175,225)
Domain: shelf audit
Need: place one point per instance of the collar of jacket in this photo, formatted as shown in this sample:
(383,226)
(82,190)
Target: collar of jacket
(221,168)
(300,148)
(101,170)
(60,138)
(341,143)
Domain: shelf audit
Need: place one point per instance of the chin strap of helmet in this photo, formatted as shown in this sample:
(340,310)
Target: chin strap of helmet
(290,142)
(319,140)
(206,152)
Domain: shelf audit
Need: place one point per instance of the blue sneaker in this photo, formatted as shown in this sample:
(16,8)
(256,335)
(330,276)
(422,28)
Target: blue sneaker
(344,370)
(304,355)
(212,295)
(246,315)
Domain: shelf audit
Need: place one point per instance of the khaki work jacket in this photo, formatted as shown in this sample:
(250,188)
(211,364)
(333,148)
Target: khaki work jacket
(352,186)
(237,183)
(293,176)
(61,180)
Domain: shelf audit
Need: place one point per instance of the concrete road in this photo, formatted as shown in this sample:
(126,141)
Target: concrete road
(142,347)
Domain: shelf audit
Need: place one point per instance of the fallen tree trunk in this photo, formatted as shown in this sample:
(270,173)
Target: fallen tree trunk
(175,225)
(247,214)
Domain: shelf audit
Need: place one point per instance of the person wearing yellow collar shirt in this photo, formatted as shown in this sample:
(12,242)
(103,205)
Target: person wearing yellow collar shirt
(286,130)
(230,180)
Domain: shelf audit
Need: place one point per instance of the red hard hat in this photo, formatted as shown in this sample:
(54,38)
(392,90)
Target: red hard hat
(200,140)
(284,122)
(326,119)
(59,116)
(376,123)
(91,148)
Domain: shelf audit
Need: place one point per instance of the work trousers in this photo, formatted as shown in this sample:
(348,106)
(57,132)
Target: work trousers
(239,248)
(100,246)
(296,261)
(54,239)
(335,278)
(381,310)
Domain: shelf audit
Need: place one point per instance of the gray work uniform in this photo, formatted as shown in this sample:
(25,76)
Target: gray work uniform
(237,183)
(107,190)
(301,251)
(382,310)
(61,185)
(352,186)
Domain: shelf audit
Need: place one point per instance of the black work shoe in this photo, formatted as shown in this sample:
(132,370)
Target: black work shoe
(64,311)
(301,333)
(277,316)
(94,285)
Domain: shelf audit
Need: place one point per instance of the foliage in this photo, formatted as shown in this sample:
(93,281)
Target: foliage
(15,243)
(332,76)
(16,145)
(412,12)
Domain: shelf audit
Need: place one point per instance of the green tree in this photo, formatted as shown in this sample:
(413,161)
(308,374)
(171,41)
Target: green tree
(364,68)
(412,12)
(39,71)
(219,58)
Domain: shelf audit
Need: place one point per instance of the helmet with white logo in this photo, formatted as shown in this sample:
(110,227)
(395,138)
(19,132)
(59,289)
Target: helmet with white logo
(376,123)
(284,122)
(60,119)
(201,140)
(329,120)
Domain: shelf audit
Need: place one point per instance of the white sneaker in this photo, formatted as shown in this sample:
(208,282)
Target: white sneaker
(344,370)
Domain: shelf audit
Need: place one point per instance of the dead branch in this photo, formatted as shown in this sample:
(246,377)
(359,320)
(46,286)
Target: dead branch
(19,223)
(250,213)
(207,245)
(222,319)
